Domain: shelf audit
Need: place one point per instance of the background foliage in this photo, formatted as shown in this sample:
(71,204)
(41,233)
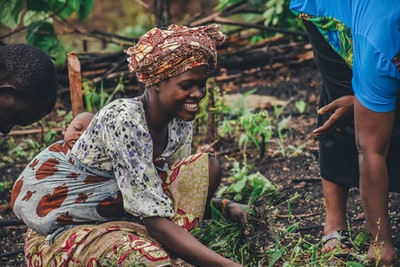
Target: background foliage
(44,22)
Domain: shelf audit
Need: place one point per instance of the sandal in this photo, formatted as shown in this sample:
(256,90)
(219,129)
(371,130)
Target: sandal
(343,239)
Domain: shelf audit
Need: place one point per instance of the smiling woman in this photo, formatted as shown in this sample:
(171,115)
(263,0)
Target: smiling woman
(179,96)
(134,191)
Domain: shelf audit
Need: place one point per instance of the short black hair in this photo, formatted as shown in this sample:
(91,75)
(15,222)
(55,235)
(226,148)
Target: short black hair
(31,71)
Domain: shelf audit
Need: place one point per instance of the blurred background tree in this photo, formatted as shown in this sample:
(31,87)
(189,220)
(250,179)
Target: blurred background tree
(58,26)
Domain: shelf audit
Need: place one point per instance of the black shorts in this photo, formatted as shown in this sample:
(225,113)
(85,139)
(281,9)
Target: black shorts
(337,151)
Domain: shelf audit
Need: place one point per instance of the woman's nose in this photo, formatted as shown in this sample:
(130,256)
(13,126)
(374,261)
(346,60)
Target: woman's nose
(199,92)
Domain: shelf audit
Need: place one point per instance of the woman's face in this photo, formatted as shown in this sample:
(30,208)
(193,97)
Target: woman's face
(180,95)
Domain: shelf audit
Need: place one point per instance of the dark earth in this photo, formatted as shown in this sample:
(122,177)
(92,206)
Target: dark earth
(298,174)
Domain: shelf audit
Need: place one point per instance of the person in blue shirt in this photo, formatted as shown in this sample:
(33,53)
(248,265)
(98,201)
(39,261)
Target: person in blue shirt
(363,59)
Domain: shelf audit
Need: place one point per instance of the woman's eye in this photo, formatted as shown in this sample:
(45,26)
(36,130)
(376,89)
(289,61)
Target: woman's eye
(185,86)
(190,86)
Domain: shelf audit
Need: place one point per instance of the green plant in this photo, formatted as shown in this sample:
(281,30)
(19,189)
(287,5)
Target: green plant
(277,13)
(95,100)
(249,127)
(228,238)
(246,186)
(257,130)
(274,13)
(282,124)
(4,186)
(300,106)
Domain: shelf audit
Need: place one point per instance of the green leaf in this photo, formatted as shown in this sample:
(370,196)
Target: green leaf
(277,255)
(85,7)
(292,227)
(223,4)
(38,5)
(35,16)
(268,16)
(242,140)
(279,9)
(238,186)
(10,12)
(65,8)
(300,106)
(42,35)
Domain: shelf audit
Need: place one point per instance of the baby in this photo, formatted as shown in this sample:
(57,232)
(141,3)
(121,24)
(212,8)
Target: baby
(28,199)
(76,127)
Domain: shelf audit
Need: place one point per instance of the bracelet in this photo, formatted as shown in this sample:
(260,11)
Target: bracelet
(224,206)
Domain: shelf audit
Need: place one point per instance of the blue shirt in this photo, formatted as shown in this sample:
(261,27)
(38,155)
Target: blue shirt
(375,29)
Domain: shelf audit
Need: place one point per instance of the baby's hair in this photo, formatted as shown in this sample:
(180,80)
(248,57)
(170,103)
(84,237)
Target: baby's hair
(30,71)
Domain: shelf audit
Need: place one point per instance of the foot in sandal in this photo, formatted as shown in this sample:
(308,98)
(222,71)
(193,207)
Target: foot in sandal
(335,239)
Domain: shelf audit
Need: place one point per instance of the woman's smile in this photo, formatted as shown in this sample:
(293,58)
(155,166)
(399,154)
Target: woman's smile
(192,107)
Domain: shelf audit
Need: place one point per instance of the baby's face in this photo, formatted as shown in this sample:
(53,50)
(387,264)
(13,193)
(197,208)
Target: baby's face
(78,125)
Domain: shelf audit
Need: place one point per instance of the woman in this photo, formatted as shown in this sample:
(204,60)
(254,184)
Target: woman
(132,192)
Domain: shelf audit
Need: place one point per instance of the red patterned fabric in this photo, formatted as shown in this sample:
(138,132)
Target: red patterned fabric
(161,54)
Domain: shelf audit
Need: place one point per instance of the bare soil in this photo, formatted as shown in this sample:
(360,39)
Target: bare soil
(298,174)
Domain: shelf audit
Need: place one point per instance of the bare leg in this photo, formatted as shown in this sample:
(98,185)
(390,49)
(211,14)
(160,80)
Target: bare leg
(335,210)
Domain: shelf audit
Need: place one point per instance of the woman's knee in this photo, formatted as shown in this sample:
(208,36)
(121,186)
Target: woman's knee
(215,172)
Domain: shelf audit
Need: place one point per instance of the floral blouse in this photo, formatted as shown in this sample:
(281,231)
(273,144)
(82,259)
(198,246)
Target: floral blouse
(118,144)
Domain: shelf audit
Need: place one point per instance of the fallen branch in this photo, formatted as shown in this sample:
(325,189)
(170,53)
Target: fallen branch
(11,222)
(33,131)
(299,215)
(307,180)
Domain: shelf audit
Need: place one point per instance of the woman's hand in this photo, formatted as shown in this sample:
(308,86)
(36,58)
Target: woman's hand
(342,112)
(238,213)
(232,210)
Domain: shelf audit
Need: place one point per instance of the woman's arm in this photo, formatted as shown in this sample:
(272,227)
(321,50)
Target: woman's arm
(181,243)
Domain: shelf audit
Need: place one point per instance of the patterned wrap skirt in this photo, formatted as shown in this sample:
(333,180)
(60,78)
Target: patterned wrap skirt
(126,243)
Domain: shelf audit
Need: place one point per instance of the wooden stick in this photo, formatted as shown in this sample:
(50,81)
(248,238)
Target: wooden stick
(75,83)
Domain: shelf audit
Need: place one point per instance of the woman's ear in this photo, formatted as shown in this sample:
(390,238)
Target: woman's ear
(8,89)
(8,96)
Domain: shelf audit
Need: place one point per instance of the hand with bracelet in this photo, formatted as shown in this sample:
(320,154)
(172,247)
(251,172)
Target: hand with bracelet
(232,210)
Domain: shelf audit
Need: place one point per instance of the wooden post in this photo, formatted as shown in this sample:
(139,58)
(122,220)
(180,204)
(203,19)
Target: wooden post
(75,83)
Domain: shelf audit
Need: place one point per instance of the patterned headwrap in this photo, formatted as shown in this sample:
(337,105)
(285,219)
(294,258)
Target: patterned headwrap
(161,54)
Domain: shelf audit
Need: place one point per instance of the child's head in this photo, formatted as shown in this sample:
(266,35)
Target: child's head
(76,127)
(28,85)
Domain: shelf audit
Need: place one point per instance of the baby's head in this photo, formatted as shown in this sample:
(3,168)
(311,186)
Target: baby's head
(76,127)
